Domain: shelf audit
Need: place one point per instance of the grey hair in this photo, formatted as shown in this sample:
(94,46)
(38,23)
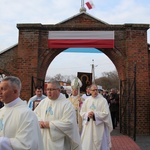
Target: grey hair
(93,85)
(55,82)
(14,82)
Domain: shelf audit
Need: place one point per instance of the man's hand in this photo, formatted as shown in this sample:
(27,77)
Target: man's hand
(79,99)
(91,114)
(44,124)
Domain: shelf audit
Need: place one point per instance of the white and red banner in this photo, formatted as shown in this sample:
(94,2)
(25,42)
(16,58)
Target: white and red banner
(81,39)
(90,4)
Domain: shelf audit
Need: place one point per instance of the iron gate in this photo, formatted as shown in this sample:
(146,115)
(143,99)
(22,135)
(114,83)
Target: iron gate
(128,106)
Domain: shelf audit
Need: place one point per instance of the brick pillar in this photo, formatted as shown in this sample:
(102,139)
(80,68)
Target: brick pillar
(137,53)
(28,57)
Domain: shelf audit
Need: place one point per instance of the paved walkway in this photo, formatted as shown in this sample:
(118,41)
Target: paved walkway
(123,142)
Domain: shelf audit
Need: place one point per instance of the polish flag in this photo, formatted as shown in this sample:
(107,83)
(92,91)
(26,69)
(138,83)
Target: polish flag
(81,39)
(89,4)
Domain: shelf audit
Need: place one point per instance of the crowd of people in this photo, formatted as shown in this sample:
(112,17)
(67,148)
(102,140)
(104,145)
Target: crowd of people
(112,98)
(57,120)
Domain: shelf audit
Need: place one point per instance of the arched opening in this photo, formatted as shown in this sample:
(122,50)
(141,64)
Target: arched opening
(71,61)
(74,60)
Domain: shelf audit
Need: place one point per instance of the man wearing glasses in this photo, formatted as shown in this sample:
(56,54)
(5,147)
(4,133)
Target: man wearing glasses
(57,120)
(97,123)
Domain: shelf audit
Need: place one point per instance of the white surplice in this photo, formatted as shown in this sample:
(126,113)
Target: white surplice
(96,134)
(19,127)
(63,132)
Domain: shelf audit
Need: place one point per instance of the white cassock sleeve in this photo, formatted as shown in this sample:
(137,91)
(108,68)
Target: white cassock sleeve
(85,119)
(56,134)
(98,120)
(5,144)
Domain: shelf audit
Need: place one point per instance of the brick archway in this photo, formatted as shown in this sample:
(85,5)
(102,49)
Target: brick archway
(32,56)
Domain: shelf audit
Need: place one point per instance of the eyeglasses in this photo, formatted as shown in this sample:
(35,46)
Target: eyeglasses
(94,90)
(51,89)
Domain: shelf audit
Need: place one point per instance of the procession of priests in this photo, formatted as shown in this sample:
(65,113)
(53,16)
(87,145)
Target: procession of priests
(63,123)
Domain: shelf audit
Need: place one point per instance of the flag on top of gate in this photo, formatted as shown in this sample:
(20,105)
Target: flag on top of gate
(79,39)
(90,4)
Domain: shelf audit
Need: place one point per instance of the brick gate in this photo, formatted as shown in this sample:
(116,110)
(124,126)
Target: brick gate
(31,56)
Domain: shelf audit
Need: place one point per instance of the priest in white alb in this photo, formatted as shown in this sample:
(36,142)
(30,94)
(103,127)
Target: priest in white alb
(57,120)
(19,127)
(97,123)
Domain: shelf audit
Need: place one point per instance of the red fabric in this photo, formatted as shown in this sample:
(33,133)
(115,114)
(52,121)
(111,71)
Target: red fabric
(80,43)
(88,4)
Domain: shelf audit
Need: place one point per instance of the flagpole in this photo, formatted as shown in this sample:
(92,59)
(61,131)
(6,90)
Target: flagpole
(82,3)
(82,9)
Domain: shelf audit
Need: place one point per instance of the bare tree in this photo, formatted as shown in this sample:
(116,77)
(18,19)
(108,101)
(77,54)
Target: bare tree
(59,77)
(108,80)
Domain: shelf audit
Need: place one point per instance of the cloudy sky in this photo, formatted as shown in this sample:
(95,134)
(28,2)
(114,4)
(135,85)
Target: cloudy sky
(54,11)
